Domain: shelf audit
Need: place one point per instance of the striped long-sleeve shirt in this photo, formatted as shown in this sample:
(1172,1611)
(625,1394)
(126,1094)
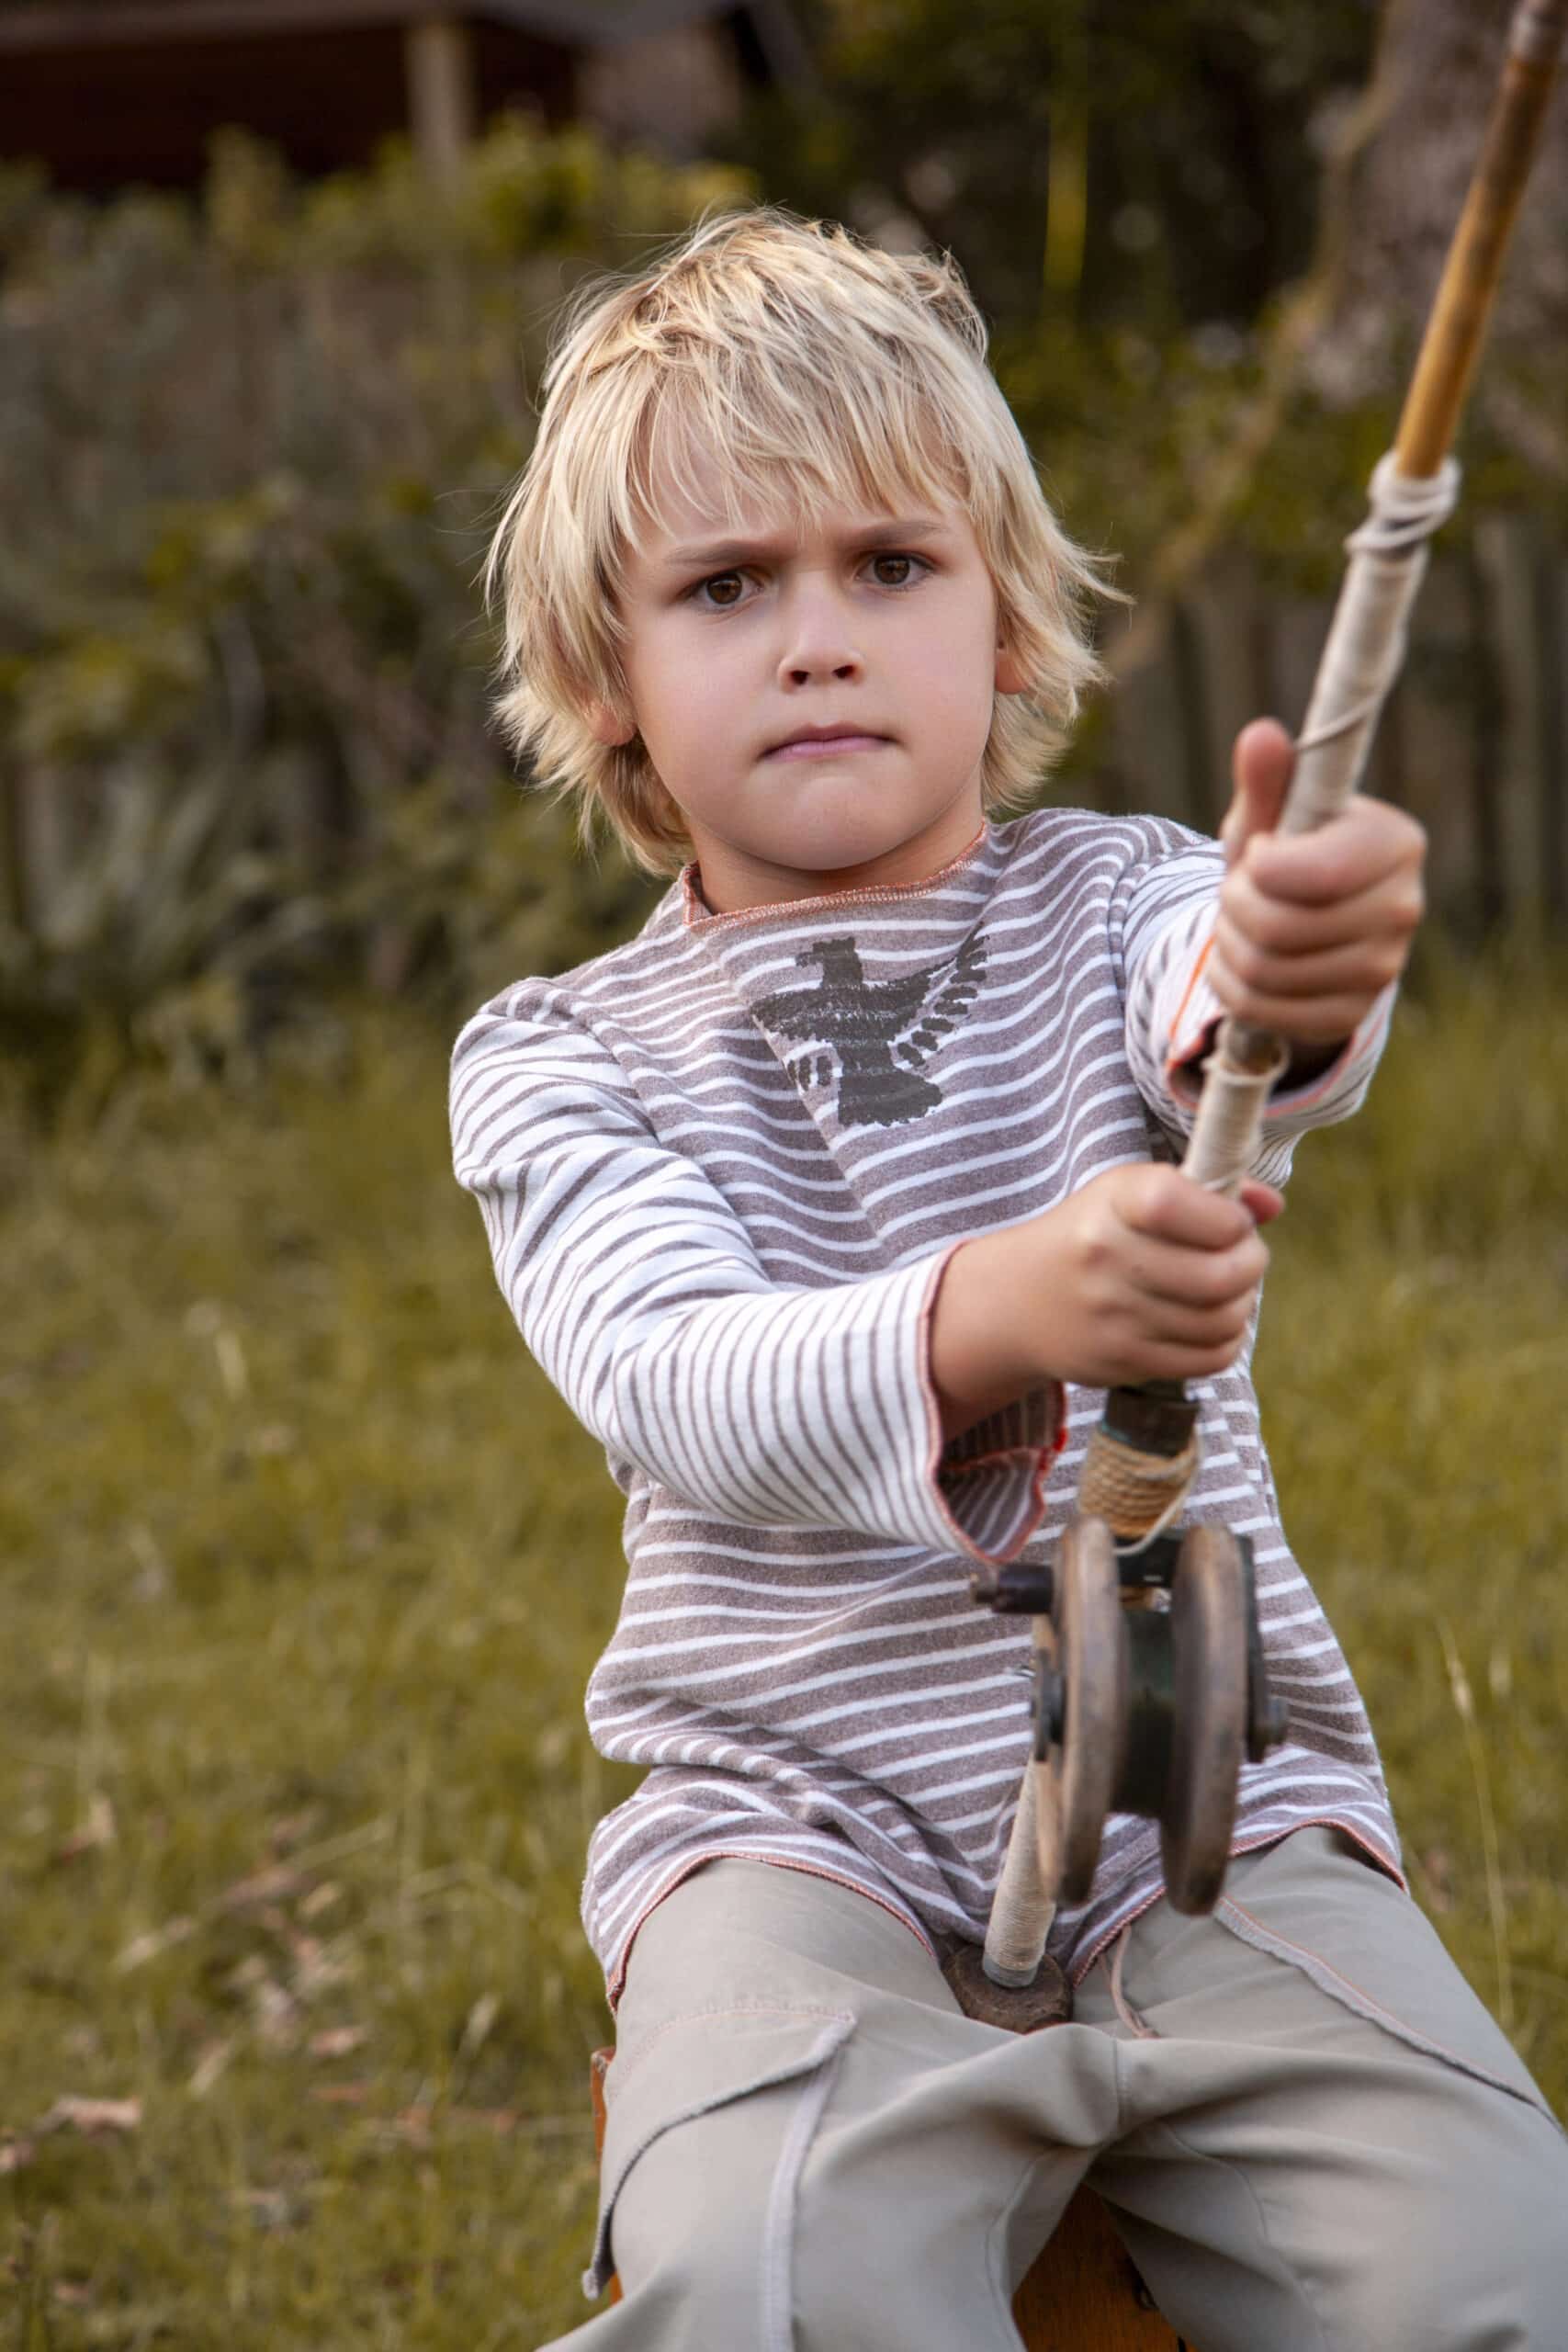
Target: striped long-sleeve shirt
(721,1169)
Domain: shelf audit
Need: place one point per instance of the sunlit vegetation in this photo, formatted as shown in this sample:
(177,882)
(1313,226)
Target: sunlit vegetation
(308,1566)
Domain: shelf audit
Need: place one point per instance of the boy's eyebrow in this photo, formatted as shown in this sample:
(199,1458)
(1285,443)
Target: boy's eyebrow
(896,531)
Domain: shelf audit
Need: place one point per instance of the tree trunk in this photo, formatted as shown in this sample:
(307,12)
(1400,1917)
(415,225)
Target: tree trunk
(1438,66)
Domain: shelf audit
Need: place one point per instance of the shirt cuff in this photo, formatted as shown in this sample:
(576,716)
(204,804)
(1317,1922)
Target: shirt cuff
(988,1482)
(1192,1038)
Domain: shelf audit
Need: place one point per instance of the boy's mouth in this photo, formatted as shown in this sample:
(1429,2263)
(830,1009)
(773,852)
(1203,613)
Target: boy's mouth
(818,742)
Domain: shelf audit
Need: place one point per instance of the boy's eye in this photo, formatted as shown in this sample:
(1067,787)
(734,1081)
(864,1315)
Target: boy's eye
(723,588)
(903,568)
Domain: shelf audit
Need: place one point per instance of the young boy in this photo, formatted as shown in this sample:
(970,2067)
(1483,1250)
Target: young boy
(831,1201)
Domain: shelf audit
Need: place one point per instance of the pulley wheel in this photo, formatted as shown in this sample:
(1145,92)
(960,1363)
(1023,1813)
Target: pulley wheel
(1078,1768)
(1209,1614)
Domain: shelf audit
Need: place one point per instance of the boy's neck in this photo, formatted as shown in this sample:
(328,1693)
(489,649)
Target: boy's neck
(727,882)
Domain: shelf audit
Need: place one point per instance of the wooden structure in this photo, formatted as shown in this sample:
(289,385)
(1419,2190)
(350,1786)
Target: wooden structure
(1474,736)
(107,93)
(1082,2295)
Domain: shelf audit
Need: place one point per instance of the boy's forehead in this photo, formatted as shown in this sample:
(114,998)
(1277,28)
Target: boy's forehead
(692,502)
(679,528)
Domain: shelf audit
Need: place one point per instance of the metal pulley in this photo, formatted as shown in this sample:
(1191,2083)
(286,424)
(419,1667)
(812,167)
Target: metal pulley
(1150,1693)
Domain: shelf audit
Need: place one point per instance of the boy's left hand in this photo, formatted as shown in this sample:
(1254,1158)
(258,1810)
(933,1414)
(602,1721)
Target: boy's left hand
(1312,928)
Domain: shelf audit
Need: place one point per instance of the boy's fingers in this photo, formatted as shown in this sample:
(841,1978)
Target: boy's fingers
(1203,1327)
(1262,1201)
(1293,925)
(1200,1280)
(1167,1207)
(1307,1020)
(1261,765)
(1163,1360)
(1236,968)
(1369,844)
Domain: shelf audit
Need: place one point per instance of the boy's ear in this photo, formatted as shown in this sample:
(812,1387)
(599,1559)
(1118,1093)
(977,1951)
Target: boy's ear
(1011,679)
(607,726)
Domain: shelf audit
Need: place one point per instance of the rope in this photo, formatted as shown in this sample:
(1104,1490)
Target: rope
(1136,1494)
(1406,508)
(1367,637)
(1229,1119)
(1360,661)
(1020,1918)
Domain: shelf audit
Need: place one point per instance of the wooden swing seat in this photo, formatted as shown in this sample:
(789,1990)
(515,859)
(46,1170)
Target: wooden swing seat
(1082,2295)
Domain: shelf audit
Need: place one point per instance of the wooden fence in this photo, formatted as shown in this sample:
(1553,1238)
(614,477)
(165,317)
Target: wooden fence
(1474,738)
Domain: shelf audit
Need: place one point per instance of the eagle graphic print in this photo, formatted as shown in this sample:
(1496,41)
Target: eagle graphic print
(874,1036)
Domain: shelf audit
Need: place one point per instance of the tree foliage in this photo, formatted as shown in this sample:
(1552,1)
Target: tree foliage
(255,444)
(1113,161)
(255,447)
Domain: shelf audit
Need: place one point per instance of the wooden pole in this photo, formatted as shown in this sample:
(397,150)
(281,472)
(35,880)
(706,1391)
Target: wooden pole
(1463,305)
(1411,492)
(1367,637)
(439,69)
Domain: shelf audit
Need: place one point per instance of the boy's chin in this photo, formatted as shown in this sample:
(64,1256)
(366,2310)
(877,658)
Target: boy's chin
(836,839)
(850,853)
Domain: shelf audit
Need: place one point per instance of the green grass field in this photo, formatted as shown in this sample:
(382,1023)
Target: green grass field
(307,1568)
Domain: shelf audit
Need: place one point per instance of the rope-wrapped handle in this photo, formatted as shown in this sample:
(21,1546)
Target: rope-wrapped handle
(1361,659)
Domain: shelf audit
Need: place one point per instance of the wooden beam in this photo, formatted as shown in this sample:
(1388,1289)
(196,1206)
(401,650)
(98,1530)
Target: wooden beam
(438,55)
(83,23)
(86,24)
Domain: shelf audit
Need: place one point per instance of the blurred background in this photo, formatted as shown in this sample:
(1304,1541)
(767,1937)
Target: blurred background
(307,1565)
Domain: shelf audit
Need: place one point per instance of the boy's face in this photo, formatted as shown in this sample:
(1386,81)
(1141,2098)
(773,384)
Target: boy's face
(815,698)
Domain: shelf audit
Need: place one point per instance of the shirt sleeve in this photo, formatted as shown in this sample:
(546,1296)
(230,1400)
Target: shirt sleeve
(1166,921)
(639,1290)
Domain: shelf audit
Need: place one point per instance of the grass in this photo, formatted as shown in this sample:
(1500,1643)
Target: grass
(306,1569)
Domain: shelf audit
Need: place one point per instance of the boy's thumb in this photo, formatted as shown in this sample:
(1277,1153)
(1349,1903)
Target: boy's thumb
(1260,774)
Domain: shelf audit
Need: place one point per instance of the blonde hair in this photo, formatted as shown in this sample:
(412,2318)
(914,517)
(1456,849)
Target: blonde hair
(822,373)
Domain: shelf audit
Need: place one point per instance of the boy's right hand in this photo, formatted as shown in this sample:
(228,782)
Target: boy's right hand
(1139,1275)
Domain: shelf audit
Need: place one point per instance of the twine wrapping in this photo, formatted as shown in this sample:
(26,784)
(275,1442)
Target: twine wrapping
(1020,1918)
(1225,1135)
(1366,637)
(1136,1494)
(1360,662)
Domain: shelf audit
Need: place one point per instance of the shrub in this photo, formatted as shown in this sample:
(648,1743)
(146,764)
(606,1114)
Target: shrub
(255,445)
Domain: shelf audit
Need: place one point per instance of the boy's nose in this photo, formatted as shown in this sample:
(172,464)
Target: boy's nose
(818,642)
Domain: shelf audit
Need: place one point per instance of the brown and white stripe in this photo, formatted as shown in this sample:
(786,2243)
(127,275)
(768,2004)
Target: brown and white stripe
(721,1230)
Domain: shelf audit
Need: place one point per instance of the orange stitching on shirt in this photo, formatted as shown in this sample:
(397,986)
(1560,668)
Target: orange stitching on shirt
(696,913)
(1175,1059)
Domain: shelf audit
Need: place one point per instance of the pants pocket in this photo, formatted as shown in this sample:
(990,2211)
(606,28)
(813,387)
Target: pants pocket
(695,2064)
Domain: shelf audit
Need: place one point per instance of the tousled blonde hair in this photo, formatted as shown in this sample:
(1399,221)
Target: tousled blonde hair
(821,373)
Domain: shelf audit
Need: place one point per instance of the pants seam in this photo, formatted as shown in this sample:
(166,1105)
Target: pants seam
(1335,1985)
(995,2237)
(1367,2002)
(1284,2266)
(823,2053)
(777,2266)
(626,2063)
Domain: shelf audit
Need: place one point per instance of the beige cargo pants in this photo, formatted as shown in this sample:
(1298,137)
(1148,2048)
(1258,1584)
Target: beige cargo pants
(1310,2132)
